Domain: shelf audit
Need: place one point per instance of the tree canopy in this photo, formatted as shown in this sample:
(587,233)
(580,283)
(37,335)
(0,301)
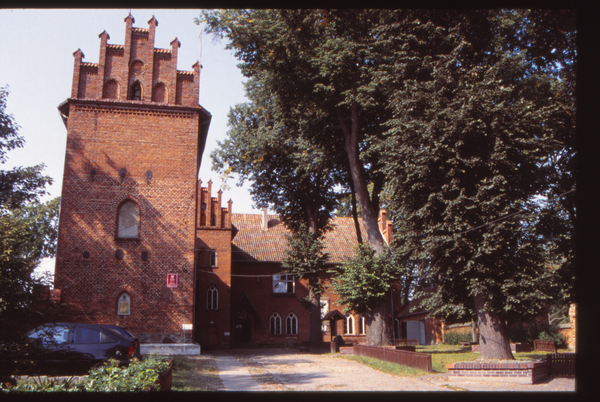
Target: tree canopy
(462,117)
(474,130)
(28,231)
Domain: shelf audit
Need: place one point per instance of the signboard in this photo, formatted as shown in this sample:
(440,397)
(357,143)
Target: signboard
(171,280)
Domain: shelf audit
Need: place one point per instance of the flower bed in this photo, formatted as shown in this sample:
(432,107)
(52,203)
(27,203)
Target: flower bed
(501,371)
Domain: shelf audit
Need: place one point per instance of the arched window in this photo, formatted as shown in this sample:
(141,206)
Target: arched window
(349,325)
(291,324)
(136,92)
(213,220)
(129,220)
(361,325)
(111,90)
(275,324)
(212,259)
(159,93)
(212,298)
(124,305)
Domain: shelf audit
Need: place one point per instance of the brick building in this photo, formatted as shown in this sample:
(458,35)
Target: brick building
(141,243)
(243,296)
(135,137)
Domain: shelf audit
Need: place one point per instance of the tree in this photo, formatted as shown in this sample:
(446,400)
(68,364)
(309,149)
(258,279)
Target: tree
(289,172)
(477,115)
(305,258)
(317,66)
(28,229)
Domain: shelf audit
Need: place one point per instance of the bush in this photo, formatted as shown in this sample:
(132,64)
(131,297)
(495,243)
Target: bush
(455,336)
(137,376)
(550,333)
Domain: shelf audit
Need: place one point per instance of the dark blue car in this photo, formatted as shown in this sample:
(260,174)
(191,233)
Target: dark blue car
(81,346)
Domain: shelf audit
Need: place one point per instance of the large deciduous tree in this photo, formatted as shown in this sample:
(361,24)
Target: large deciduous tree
(482,102)
(318,67)
(28,231)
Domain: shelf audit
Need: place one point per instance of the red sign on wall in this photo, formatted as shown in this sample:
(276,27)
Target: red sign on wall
(171,280)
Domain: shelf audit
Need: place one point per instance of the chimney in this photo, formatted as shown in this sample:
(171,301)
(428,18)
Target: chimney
(265,220)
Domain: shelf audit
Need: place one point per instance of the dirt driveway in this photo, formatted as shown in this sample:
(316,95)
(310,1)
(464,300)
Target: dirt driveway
(289,370)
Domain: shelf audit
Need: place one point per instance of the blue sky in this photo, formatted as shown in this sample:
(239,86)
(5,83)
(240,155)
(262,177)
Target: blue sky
(36,62)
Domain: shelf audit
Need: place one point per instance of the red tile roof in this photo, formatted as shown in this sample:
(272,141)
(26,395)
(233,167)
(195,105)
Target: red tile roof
(251,243)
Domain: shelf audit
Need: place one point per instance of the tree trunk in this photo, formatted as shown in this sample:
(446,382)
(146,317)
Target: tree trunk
(379,330)
(368,210)
(493,334)
(315,310)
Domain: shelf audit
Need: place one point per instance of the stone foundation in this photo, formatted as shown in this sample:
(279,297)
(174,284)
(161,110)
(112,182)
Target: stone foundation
(505,371)
(164,337)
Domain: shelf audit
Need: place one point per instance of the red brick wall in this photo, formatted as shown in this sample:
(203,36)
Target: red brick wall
(103,137)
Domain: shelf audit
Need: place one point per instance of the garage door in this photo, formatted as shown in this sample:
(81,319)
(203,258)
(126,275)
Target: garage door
(416,330)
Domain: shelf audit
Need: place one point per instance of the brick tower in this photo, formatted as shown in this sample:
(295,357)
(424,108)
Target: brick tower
(135,138)
(213,269)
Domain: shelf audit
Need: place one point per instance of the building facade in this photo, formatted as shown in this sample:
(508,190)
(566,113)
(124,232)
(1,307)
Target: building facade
(142,244)
(135,137)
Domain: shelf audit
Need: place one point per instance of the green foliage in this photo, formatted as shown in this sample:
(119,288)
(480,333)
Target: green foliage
(519,332)
(304,253)
(476,119)
(28,231)
(363,282)
(455,336)
(139,375)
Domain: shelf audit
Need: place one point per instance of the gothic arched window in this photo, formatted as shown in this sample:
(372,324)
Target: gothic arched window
(291,324)
(128,220)
(275,324)
(212,298)
(349,325)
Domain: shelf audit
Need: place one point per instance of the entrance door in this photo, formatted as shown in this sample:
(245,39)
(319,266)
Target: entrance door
(242,327)
(211,338)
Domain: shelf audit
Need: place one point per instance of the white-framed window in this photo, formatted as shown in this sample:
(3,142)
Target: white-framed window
(284,283)
(361,325)
(212,257)
(212,298)
(124,305)
(128,220)
(291,324)
(349,325)
(275,324)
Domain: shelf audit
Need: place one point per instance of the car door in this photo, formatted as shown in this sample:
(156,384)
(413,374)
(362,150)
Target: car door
(92,344)
(53,341)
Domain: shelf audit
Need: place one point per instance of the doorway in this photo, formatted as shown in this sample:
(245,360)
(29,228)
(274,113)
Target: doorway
(242,333)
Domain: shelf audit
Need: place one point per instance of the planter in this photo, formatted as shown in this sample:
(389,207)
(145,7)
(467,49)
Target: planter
(504,371)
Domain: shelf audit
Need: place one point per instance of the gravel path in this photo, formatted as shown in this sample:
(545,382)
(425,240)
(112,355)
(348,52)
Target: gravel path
(288,370)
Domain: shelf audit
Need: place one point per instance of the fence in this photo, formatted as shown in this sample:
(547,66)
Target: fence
(561,364)
(412,359)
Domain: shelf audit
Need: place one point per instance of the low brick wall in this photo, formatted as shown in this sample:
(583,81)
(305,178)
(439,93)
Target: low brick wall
(346,350)
(510,372)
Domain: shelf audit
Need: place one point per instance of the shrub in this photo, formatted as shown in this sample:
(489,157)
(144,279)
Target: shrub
(137,376)
(455,336)
(550,333)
